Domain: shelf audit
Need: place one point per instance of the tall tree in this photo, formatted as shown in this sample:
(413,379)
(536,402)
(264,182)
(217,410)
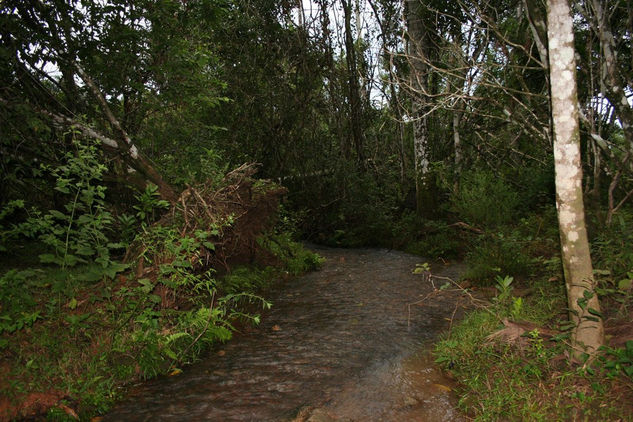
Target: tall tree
(354,98)
(418,53)
(584,307)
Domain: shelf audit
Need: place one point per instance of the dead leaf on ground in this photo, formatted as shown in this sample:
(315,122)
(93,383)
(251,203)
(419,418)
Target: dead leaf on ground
(514,332)
(443,387)
(511,333)
(276,328)
(70,412)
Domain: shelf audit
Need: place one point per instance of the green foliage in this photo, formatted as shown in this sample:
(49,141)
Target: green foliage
(485,199)
(613,263)
(77,233)
(535,183)
(246,279)
(521,380)
(362,208)
(148,205)
(295,258)
(618,361)
(611,249)
(18,305)
(504,286)
(8,233)
(195,163)
(127,227)
(498,254)
(438,240)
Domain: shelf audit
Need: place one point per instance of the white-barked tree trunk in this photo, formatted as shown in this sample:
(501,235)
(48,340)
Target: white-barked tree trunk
(583,303)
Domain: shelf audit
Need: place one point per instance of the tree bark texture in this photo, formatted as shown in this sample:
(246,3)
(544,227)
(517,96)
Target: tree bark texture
(583,303)
(419,76)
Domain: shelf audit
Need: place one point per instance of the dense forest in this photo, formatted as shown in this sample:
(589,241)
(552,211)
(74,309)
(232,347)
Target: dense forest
(161,160)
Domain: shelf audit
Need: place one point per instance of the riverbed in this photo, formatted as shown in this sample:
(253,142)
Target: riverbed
(343,343)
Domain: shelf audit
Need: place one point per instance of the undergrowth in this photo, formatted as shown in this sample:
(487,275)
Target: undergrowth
(80,341)
(79,325)
(511,357)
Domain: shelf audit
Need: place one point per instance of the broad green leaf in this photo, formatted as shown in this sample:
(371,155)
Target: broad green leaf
(47,258)
(73,303)
(625,284)
(594,312)
(84,250)
(58,214)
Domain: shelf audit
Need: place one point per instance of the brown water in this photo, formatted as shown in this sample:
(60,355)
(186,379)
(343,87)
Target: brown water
(338,344)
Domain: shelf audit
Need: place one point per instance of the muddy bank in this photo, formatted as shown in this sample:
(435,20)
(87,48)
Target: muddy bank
(341,340)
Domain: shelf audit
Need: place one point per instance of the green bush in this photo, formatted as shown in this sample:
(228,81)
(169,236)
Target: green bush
(611,248)
(245,279)
(497,254)
(484,199)
(502,377)
(443,244)
(537,185)
(350,208)
(295,258)
(18,309)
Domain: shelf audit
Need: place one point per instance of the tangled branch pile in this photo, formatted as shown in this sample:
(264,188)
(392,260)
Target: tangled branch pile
(211,227)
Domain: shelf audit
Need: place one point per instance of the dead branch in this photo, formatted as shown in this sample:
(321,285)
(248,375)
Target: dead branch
(467,227)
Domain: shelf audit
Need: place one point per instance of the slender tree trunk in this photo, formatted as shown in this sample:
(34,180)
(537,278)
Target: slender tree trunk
(419,85)
(354,98)
(538,27)
(613,80)
(457,145)
(126,147)
(583,303)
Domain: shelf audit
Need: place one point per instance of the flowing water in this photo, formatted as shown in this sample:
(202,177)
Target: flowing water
(340,344)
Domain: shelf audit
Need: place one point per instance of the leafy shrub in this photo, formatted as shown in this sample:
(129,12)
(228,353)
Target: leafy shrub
(440,242)
(485,199)
(350,207)
(619,360)
(149,204)
(296,259)
(245,279)
(17,310)
(77,232)
(537,185)
(497,254)
(7,233)
(611,248)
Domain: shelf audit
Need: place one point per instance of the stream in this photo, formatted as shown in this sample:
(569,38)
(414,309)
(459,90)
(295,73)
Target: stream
(339,344)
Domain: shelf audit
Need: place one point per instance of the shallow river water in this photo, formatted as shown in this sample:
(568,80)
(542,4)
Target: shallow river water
(339,344)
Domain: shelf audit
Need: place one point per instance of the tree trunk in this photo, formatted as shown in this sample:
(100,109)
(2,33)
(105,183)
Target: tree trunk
(584,307)
(419,85)
(538,27)
(126,147)
(355,103)
(615,83)
(457,145)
